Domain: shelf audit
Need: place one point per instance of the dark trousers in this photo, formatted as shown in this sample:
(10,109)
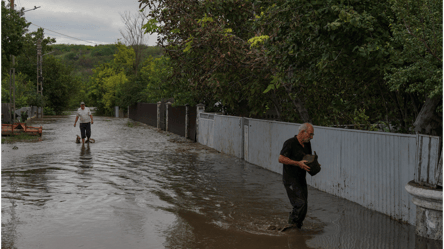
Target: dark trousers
(297,192)
(85,128)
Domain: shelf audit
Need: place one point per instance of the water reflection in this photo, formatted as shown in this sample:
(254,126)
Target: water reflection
(85,158)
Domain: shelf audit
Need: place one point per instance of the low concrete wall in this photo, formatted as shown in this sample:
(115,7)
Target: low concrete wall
(369,168)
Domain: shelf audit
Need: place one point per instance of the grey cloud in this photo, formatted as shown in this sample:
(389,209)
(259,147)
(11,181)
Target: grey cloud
(94,20)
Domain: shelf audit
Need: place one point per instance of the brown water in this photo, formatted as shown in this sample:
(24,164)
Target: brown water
(138,188)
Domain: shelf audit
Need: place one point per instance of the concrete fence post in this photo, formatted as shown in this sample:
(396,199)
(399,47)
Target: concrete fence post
(158,114)
(116,111)
(186,120)
(167,105)
(199,108)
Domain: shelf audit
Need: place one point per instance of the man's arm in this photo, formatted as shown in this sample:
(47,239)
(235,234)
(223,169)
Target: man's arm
(288,161)
(77,118)
(92,122)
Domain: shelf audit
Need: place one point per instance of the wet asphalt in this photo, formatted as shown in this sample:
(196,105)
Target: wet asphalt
(136,187)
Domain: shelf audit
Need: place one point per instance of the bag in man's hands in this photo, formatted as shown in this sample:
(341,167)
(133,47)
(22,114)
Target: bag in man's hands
(312,162)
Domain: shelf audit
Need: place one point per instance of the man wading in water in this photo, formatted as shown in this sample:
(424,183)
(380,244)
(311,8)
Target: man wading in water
(294,172)
(86,119)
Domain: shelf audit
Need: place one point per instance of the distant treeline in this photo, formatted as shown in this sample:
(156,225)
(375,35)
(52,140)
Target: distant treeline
(83,58)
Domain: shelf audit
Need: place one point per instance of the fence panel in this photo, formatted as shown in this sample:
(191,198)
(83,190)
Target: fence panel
(133,112)
(228,135)
(192,122)
(369,168)
(206,124)
(439,172)
(176,120)
(162,116)
(145,113)
(427,160)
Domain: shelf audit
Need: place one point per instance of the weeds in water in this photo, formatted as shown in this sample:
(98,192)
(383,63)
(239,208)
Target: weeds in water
(20,138)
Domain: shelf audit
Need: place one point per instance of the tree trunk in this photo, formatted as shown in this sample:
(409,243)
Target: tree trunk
(303,113)
(428,120)
(297,102)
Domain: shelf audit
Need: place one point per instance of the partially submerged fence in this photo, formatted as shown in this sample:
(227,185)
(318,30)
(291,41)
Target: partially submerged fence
(369,168)
(144,112)
(180,120)
(176,119)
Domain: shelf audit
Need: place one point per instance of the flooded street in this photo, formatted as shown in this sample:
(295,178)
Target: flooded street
(136,187)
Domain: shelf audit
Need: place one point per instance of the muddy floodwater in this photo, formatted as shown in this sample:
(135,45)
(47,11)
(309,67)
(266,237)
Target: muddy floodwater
(136,187)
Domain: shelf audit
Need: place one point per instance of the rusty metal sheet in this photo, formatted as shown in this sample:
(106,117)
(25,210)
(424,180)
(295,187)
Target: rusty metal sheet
(19,128)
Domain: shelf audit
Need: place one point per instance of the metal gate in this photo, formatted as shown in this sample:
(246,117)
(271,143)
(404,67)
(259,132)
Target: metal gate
(145,113)
(176,120)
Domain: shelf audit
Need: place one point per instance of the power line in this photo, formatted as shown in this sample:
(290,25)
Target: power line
(35,7)
(64,34)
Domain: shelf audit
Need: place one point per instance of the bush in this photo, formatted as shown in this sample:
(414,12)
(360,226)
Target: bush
(48,111)
(71,56)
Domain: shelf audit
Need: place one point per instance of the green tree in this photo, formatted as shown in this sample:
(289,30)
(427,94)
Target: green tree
(329,56)
(108,84)
(14,26)
(24,91)
(210,56)
(327,62)
(59,85)
(154,73)
(416,60)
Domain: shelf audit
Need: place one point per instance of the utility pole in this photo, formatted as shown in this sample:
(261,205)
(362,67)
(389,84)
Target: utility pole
(39,74)
(12,81)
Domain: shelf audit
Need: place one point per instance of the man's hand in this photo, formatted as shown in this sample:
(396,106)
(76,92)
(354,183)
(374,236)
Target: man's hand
(92,122)
(300,164)
(303,166)
(74,124)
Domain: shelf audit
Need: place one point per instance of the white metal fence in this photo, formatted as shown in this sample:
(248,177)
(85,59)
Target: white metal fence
(369,168)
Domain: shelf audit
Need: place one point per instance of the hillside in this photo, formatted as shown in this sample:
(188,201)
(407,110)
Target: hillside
(83,58)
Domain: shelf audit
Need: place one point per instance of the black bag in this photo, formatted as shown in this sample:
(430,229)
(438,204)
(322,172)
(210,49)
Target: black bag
(312,162)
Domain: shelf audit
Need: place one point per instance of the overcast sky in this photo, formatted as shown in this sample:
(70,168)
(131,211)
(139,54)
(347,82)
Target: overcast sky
(97,21)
